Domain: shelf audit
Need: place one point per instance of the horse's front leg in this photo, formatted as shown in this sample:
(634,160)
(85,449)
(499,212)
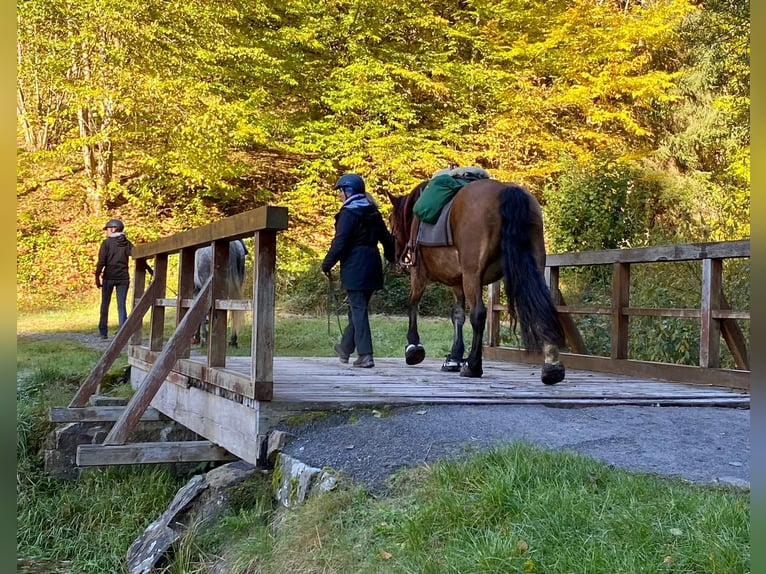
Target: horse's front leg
(414,353)
(454,360)
(472,367)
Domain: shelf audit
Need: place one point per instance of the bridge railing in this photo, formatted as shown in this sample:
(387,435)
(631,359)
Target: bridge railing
(262,224)
(717,320)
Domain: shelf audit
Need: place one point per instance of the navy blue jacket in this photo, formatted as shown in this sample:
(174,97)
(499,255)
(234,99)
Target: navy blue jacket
(359,227)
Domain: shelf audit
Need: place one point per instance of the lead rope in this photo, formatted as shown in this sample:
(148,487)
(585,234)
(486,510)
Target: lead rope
(332,297)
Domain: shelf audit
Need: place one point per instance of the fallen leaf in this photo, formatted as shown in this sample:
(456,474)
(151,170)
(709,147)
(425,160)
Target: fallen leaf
(522,546)
(376,413)
(676,531)
(528,566)
(668,560)
(383,555)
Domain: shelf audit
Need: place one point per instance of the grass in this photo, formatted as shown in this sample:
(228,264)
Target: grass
(514,509)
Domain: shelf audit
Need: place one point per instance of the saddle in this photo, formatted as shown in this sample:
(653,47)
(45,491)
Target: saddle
(433,208)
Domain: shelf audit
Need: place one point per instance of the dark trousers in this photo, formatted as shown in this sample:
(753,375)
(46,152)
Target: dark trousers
(357,333)
(121,287)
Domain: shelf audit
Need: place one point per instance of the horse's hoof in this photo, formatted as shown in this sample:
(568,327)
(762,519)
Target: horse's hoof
(552,373)
(467,371)
(451,365)
(414,354)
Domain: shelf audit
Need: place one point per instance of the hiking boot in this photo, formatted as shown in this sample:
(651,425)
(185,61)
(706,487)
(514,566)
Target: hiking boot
(342,355)
(103,337)
(364,361)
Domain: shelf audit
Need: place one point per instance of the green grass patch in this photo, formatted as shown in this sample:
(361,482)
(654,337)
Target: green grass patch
(513,509)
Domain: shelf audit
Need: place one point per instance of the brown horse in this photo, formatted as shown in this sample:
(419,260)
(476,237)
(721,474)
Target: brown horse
(497,231)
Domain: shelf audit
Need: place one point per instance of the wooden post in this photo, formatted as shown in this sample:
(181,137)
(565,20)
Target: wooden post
(265,258)
(185,289)
(493,317)
(710,328)
(620,301)
(157,326)
(139,284)
(219,270)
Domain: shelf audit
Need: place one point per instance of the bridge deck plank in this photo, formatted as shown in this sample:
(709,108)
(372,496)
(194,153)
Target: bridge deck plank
(326,381)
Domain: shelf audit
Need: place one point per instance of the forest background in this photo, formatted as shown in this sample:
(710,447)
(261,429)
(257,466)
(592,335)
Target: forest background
(629,120)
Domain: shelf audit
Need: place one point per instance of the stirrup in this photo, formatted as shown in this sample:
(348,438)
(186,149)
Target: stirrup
(408,258)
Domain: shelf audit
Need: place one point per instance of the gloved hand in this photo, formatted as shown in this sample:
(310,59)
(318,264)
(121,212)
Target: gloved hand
(327,274)
(98,282)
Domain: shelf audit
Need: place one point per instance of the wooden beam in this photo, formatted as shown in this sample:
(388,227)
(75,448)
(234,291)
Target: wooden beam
(157,323)
(620,300)
(493,317)
(219,270)
(663,253)
(150,453)
(185,291)
(97,414)
(264,288)
(140,271)
(710,328)
(143,396)
(134,322)
(266,218)
(661,371)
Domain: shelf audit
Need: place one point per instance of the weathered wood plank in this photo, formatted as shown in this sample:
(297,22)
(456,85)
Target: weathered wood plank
(96,414)
(244,224)
(157,322)
(264,288)
(662,371)
(150,453)
(219,266)
(222,421)
(667,253)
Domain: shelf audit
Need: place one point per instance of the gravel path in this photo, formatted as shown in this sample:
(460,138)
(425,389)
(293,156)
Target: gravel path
(700,444)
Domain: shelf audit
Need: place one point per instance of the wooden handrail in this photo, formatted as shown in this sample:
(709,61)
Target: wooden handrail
(717,319)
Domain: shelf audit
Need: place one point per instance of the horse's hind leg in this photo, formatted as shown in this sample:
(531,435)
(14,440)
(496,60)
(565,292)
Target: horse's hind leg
(455,359)
(473,365)
(553,371)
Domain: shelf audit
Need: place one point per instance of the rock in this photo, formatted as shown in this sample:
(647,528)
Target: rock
(203,498)
(296,479)
(277,440)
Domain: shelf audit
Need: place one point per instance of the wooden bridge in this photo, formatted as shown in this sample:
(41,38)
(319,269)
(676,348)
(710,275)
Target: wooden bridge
(232,401)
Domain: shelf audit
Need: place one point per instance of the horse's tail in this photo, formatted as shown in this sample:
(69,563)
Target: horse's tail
(525,287)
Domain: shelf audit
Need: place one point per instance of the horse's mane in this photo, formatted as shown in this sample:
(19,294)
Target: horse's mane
(404,209)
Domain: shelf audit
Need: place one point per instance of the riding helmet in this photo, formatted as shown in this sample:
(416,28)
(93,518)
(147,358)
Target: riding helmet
(116,223)
(351,183)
